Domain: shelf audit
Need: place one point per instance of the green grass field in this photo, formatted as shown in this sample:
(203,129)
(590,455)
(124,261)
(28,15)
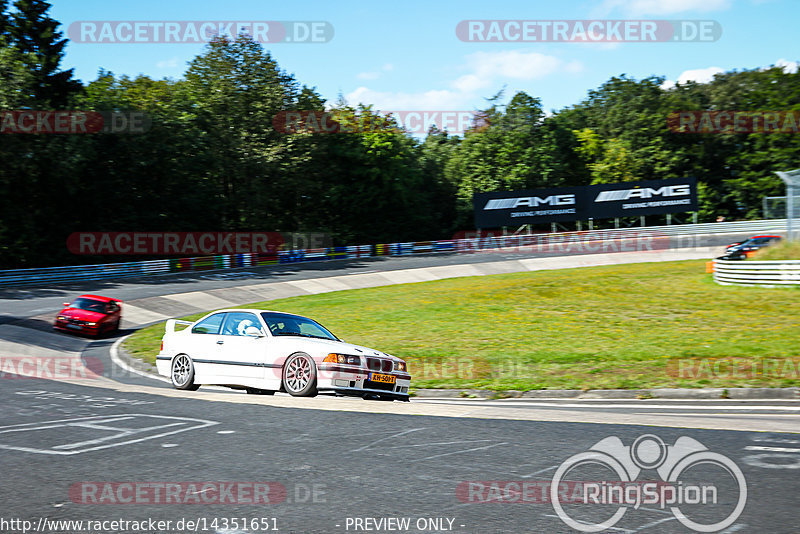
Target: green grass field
(626,326)
(785,250)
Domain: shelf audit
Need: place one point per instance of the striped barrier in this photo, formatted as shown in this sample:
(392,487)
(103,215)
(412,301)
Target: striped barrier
(771,273)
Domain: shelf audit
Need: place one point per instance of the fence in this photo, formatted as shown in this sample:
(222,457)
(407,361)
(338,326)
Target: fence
(27,277)
(760,273)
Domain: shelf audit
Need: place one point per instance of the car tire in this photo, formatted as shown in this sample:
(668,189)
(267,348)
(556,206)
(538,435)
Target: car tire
(181,373)
(300,375)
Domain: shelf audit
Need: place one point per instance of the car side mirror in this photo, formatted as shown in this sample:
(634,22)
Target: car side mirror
(253,331)
(65,304)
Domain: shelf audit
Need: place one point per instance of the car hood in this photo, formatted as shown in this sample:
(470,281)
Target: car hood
(83,315)
(342,347)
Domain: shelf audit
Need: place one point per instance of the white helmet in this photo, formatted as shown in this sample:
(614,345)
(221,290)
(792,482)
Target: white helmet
(243,325)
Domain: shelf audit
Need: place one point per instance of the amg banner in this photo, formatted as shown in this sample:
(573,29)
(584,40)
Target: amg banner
(625,199)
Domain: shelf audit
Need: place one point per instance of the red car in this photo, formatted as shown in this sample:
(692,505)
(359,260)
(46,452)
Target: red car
(90,314)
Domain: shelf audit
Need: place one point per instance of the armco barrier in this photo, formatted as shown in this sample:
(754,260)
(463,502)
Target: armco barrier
(27,277)
(757,273)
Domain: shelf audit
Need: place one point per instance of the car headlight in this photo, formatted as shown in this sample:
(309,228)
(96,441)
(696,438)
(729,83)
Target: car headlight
(61,318)
(90,324)
(342,358)
(400,366)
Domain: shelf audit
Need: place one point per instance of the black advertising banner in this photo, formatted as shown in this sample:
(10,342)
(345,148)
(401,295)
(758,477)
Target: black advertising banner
(625,199)
(652,197)
(528,206)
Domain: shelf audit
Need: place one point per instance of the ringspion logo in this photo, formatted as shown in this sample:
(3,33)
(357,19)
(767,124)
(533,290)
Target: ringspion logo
(680,489)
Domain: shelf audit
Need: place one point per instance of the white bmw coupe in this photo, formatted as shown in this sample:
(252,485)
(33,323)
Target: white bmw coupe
(268,351)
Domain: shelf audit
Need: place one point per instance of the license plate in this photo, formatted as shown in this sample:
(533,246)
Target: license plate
(387,379)
(75,326)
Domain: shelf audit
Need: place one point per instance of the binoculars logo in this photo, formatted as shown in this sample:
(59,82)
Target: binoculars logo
(648,452)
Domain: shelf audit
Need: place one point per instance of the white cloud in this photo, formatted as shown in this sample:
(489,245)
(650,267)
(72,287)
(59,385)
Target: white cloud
(485,72)
(707,75)
(789,67)
(168,63)
(374,75)
(638,8)
(368,75)
(695,75)
(392,101)
(513,64)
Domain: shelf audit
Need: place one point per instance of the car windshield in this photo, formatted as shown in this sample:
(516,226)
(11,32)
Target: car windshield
(89,305)
(285,324)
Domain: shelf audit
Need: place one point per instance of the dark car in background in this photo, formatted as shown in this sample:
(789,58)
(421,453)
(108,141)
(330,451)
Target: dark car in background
(90,314)
(740,251)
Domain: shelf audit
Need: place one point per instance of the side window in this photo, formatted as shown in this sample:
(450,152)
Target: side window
(310,329)
(237,322)
(209,325)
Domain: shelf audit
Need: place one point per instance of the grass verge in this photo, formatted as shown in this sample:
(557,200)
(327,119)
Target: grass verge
(624,326)
(785,250)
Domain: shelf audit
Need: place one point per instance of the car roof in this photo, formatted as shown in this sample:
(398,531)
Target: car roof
(758,236)
(254,310)
(98,297)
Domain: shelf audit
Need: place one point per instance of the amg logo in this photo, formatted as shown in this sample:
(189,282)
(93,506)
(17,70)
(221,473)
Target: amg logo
(644,192)
(510,203)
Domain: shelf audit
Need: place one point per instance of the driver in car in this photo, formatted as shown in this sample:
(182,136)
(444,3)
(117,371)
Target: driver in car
(243,325)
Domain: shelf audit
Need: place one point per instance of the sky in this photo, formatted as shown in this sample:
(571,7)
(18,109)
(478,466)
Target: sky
(409,56)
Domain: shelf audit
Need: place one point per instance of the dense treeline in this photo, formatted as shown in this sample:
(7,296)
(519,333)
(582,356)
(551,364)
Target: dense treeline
(212,159)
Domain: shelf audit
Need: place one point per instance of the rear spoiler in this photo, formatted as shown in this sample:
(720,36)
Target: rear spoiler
(170,326)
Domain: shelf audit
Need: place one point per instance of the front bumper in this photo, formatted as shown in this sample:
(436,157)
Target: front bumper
(357,382)
(65,326)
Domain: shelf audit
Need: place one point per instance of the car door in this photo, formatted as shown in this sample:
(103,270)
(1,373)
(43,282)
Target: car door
(202,345)
(241,355)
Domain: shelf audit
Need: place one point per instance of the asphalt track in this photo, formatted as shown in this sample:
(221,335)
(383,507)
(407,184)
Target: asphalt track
(79,449)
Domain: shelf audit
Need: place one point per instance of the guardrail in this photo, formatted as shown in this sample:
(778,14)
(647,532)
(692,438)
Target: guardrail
(28,277)
(771,273)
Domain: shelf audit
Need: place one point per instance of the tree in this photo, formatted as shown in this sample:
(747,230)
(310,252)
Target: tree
(236,89)
(37,38)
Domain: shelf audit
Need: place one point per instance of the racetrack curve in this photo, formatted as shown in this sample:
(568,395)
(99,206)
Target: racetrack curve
(341,459)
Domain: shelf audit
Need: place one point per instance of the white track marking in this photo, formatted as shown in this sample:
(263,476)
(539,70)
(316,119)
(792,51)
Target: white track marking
(437,443)
(365,447)
(626,405)
(459,452)
(114,351)
(125,435)
(771,449)
(540,471)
